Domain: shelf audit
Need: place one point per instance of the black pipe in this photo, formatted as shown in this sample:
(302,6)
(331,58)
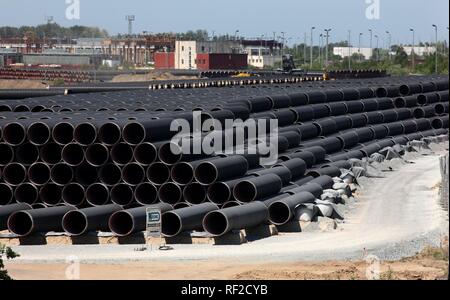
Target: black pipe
(308,131)
(147,131)
(145,154)
(120,194)
(51,153)
(110,174)
(158,173)
(281,171)
(73,194)
(296,166)
(14,174)
(73,154)
(220,222)
(170,193)
(185,219)
(194,193)
(39,133)
(26,193)
(79,222)
(85,134)
(311,187)
(121,154)
(257,188)
(109,133)
(133,174)
(61,174)
(323,176)
(7,210)
(127,222)
(14,133)
(222,192)
(97,155)
(26,222)
(282,211)
(97,194)
(86,174)
(50,194)
(318,152)
(6,154)
(146,193)
(209,172)
(26,154)
(63,133)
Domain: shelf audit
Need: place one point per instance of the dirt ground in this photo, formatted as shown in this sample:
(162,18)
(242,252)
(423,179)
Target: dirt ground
(431,264)
(151,76)
(22,84)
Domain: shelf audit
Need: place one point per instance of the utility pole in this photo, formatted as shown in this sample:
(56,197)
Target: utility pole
(320,48)
(282,46)
(389,44)
(377,52)
(413,50)
(326,50)
(371,47)
(349,50)
(311,49)
(304,50)
(359,46)
(436,54)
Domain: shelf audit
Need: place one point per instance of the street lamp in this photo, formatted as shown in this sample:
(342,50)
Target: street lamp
(389,43)
(311,49)
(282,45)
(377,48)
(304,49)
(371,48)
(320,48)
(326,50)
(359,45)
(436,54)
(349,50)
(412,51)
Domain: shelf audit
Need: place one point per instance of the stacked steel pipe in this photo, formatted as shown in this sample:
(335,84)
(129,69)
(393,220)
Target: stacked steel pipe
(93,162)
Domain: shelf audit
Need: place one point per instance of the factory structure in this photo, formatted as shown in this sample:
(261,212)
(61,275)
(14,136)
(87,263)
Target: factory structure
(162,51)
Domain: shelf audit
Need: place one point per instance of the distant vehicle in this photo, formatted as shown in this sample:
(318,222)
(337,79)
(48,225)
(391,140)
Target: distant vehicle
(289,66)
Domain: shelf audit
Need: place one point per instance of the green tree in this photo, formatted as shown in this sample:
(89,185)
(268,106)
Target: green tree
(9,254)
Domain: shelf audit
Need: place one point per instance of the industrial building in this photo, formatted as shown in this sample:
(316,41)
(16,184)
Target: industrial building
(350,51)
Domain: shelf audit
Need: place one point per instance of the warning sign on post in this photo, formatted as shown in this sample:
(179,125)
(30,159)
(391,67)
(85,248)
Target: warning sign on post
(153,222)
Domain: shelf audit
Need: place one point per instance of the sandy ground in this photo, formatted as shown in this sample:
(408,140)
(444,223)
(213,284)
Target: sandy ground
(394,217)
(22,84)
(152,75)
(431,264)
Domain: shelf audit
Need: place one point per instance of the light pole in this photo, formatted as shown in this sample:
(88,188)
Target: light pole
(371,48)
(377,52)
(389,44)
(235,34)
(320,48)
(412,49)
(326,50)
(282,45)
(311,49)
(349,50)
(304,49)
(359,46)
(436,54)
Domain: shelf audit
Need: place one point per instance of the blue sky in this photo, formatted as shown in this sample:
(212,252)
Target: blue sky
(253,18)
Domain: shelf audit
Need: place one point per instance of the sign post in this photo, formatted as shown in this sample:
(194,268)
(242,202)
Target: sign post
(153,227)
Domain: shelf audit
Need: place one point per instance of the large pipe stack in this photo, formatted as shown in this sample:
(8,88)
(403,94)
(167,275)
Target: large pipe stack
(93,161)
